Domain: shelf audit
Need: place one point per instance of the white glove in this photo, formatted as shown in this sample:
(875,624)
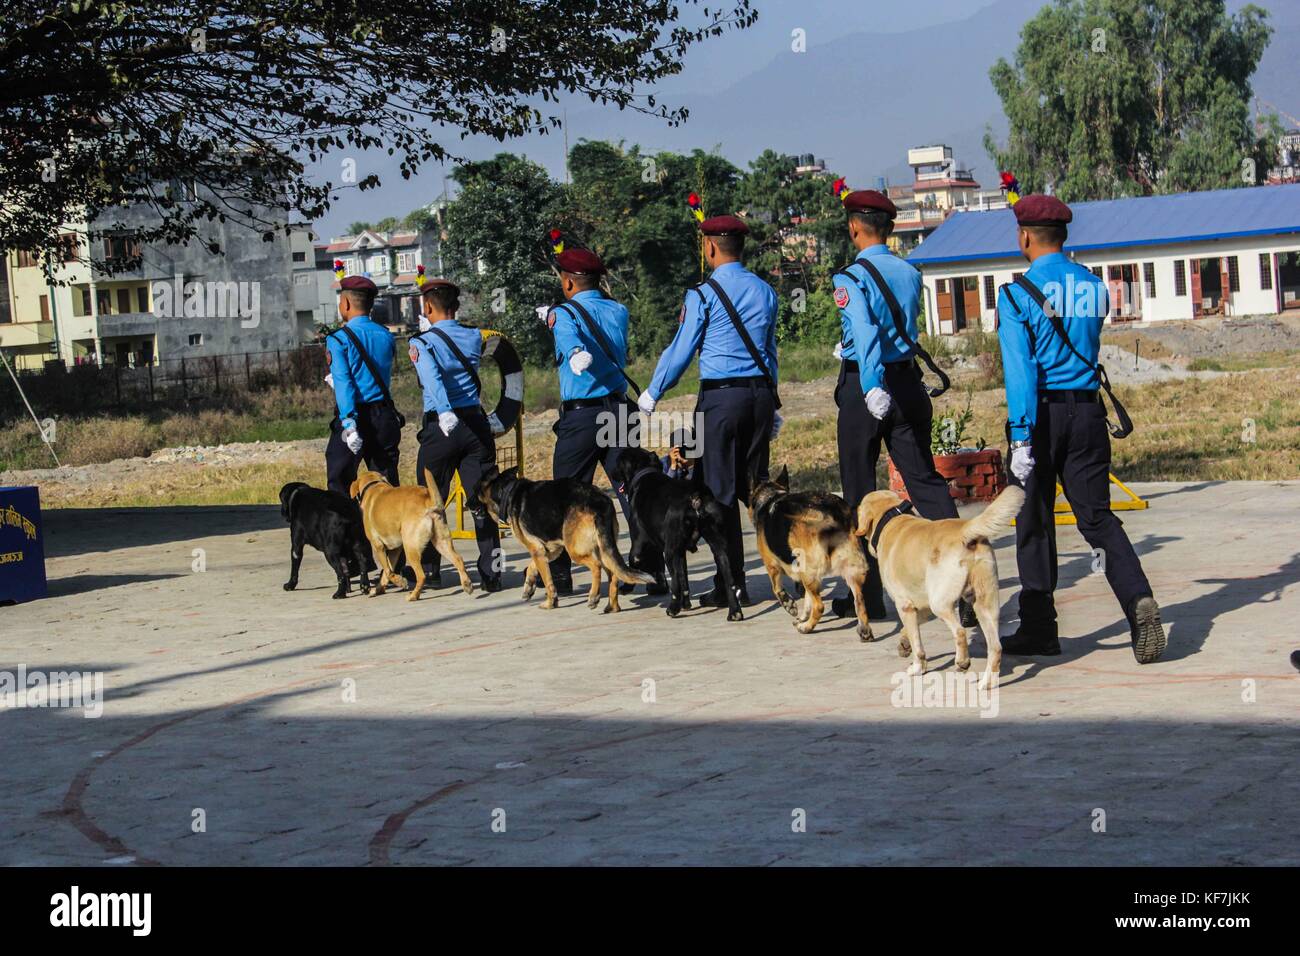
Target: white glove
(777,422)
(329,379)
(425,324)
(839,351)
(878,402)
(580,361)
(645,402)
(352,440)
(448,421)
(1022,462)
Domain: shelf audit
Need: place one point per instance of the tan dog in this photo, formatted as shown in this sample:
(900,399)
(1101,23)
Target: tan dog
(807,537)
(408,518)
(928,566)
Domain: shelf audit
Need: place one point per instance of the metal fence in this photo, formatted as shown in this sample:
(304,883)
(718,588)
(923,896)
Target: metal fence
(86,389)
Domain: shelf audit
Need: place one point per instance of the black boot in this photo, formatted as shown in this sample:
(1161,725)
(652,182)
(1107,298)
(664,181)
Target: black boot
(490,585)
(1147,632)
(967,614)
(844,607)
(1033,640)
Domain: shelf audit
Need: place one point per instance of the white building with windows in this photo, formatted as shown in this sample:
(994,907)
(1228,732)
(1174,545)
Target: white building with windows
(1227,252)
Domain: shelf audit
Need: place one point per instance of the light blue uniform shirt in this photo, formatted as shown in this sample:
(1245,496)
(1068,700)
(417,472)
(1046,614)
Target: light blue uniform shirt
(571,335)
(705,328)
(353,383)
(443,379)
(869,336)
(1033,356)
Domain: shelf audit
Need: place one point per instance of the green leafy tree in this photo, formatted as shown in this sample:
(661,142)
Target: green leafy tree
(1111,98)
(498,247)
(387,224)
(359,227)
(105,103)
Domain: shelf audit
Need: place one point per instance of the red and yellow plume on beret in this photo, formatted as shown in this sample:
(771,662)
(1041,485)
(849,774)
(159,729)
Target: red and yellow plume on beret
(693,200)
(1011,186)
(840,188)
(419,277)
(339,271)
(557,241)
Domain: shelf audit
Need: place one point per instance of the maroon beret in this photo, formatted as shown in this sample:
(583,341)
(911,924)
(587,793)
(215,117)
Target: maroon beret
(1040,210)
(580,262)
(869,200)
(357,284)
(724,226)
(439,284)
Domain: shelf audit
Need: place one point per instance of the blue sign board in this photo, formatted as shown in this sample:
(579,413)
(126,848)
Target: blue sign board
(22,546)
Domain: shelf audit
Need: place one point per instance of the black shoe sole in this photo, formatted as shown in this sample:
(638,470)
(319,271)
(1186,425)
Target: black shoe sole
(1148,632)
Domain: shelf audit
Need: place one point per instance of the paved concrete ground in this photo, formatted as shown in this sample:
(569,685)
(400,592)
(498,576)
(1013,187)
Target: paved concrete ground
(225,694)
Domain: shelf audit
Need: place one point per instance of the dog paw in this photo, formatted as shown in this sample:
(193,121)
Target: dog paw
(339,595)
(736,615)
(864,633)
(962,665)
(987,680)
(803,627)
(673,610)
(904,648)
(609,609)
(916,667)
(528,591)
(594,603)
(290,585)
(547,605)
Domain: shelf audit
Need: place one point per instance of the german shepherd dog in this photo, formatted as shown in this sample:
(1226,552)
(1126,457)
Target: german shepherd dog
(807,536)
(564,514)
(331,524)
(671,517)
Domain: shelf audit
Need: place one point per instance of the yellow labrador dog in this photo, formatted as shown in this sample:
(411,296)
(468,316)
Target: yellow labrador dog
(928,566)
(405,518)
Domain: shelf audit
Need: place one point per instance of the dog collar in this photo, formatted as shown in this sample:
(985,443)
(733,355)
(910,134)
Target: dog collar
(629,486)
(888,516)
(362,493)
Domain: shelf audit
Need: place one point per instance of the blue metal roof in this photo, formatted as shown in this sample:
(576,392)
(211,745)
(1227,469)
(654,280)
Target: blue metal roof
(1116,223)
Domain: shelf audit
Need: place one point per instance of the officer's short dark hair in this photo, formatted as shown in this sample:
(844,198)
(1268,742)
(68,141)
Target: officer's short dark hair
(584,282)
(875,222)
(361,299)
(729,245)
(443,297)
(1053,235)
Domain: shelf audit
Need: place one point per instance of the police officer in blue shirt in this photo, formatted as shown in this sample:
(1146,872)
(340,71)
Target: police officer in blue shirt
(1057,427)
(880,394)
(590,332)
(455,434)
(366,424)
(738,401)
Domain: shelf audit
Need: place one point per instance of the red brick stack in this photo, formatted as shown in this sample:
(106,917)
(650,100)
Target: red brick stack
(972,475)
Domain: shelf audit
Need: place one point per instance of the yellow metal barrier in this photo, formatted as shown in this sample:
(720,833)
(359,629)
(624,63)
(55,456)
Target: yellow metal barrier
(1131,502)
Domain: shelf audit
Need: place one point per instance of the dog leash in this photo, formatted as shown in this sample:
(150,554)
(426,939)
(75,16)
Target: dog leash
(888,516)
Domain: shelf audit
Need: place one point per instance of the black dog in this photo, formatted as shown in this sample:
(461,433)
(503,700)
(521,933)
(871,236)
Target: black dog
(330,523)
(671,517)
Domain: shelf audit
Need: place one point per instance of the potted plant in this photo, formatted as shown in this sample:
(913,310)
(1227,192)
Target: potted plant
(974,472)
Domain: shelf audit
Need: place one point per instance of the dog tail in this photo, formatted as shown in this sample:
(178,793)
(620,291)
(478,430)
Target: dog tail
(610,559)
(436,505)
(996,519)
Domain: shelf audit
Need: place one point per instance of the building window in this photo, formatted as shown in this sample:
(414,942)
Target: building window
(45,308)
(378,264)
(1015,276)
(142,302)
(302,278)
(1149,276)
(990,297)
(1180,277)
(1234,275)
(69,242)
(26,259)
(196,338)
(406,262)
(1096,270)
(300,257)
(941,286)
(123,301)
(85,301)
(104,302)
(1265,271)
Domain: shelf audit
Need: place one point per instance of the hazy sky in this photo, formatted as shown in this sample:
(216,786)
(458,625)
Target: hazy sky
(876,79)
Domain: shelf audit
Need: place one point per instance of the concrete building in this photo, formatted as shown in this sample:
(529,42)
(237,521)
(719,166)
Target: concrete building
(1222,252)
(940,186)
(181,301)
(315,301)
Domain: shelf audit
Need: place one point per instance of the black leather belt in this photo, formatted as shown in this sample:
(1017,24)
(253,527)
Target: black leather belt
(604,401)
(1068,396)
(851,366)
(747,381)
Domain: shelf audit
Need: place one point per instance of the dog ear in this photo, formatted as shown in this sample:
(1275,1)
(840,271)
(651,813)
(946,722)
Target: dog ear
(866,517)
(783,479)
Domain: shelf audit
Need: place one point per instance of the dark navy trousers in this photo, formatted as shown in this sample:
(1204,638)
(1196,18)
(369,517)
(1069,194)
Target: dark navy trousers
(381,437)
(470,449)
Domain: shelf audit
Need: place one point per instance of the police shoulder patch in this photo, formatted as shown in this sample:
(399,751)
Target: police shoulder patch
(413,352)
(841,296)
